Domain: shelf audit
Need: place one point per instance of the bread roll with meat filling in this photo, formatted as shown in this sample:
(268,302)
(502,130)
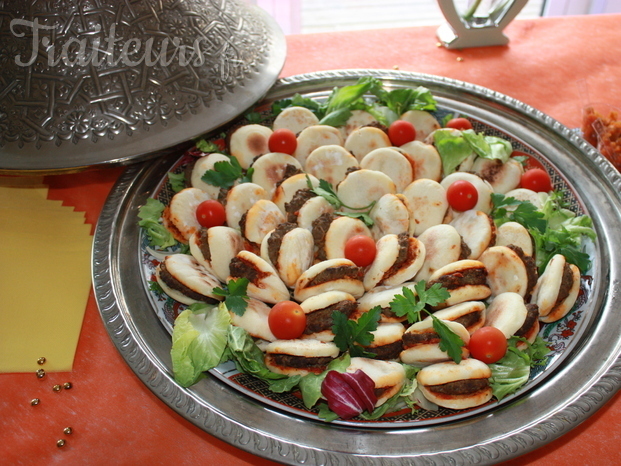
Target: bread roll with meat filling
(557,289)
(425,158)
(509,269)
(382,296)
(361,187)
(503,177)
(290,250)
(329,275)
(313,137)
(443,245)
(427,203)
(264,283)
(249,142)
(330,163)
(456,386)
(421,343)
(215,247)
(185,280)
(388,376)
(254,320)
(392,163)
(424,123)
(397,260)
(477,230)
(272,168)
(363,140)
(390,215)
(465,280)
(299,357)
(201,166)
(179,217)
(319,309)
(295,119)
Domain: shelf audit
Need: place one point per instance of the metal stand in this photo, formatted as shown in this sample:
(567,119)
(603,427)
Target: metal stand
(474,29)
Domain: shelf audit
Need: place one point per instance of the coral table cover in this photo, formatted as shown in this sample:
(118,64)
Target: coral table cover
(114,417)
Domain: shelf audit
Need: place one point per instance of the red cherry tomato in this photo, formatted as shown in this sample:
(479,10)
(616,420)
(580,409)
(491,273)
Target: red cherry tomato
(210,213)
(401,132)
(459,123)
(287,320)
(488,344)
(361,250)
(531,162)
(462,195)
(283,140)
(536,179)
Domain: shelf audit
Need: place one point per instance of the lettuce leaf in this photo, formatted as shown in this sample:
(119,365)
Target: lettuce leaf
(159,236)
(513,370)
(247,355)
(452,147)
(310,384)
(198,341)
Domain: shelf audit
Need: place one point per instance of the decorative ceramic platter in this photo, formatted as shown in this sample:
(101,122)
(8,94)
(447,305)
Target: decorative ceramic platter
(576,379)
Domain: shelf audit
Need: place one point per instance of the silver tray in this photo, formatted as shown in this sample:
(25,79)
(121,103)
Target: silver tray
(589,375)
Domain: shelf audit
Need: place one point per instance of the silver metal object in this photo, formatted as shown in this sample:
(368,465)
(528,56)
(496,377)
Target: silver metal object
(590,373)
(109,82)
(475,29)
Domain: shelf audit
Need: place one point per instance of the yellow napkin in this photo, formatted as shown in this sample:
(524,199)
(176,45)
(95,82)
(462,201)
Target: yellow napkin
(44,277)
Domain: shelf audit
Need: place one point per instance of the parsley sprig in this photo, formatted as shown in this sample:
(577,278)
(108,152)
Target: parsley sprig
(411,305)
(353,336)
(235,295)
(523,212)
(225,174)
(326,191)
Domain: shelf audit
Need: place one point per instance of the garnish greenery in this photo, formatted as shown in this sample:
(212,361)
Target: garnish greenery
(387,106)
(177,181)
(353,336)
(158,234)
(326,191)
(450,342)
(555,229)
(253,117)
(208,147)
(235,295)
(456,146)
(225,174)
(513,370)
(509,209)
(410,304)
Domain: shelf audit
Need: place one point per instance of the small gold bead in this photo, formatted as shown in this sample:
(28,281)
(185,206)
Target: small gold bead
(40,373)
(57,388)
(60,443)
(68,430)
(67,385)
(41,361)
(35,401)
(460,59)
(438,44)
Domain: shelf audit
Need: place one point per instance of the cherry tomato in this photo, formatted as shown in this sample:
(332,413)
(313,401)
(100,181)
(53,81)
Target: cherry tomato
(361,250)
(488,344)
(287,320)
(462,195)
(210,213)
(283,140)
(536,179)
(531,162)
(459,123)
(401,132)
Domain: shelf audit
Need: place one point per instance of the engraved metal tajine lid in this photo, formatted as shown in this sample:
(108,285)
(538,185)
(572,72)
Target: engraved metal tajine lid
(87,83)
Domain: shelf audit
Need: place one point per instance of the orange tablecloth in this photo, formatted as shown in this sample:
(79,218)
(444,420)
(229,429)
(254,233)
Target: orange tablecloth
(117,420)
